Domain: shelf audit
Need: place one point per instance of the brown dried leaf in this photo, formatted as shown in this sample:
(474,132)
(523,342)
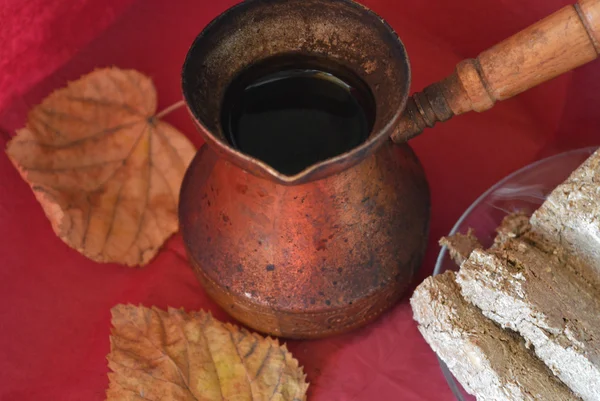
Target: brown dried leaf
(175,356)
(105,170)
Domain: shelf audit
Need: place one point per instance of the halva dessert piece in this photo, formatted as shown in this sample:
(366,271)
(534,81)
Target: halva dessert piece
(523,288)
(460,246)
(491,363)
(570,218)
(515,225)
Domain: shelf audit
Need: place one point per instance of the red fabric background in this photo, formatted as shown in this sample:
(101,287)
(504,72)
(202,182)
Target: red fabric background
(56,317)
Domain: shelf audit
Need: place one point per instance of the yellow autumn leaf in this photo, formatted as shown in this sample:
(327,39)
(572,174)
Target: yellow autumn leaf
(177,356)
(106,171)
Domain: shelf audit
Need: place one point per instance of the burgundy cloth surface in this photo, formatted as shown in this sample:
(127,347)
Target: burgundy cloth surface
(55,321)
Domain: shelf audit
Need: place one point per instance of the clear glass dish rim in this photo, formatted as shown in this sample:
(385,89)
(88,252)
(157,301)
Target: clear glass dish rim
(442,255)
(454,230)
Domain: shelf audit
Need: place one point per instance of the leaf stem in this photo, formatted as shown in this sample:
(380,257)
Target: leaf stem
(169,109)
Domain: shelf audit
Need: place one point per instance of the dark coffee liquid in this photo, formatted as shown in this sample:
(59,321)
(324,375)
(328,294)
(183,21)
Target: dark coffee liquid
(296,117)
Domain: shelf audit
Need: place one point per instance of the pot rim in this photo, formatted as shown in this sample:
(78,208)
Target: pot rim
(321,169)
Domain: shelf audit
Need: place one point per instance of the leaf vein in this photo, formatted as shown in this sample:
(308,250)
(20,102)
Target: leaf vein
(71,168)
(212,359)
(103,103)
(237,351)
(278,377)
(112,219)
(169,144)
(161,350)
(146,200)
(76,142)
(264,361)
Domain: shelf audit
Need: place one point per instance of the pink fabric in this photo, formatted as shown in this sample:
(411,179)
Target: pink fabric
(38,36)
(56,316)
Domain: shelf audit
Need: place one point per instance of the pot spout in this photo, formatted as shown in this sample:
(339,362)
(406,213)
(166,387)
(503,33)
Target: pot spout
(339,37)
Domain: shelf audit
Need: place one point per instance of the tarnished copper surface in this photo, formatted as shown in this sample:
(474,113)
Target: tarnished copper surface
(330,248)
(339,30)
(308,260)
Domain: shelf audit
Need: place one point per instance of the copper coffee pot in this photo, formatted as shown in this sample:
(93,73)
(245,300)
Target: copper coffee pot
(329,249)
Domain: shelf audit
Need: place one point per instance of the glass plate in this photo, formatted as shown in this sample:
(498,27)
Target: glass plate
(523,190)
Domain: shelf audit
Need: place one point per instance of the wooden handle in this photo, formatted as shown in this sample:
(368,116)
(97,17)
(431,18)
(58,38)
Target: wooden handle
(559,43)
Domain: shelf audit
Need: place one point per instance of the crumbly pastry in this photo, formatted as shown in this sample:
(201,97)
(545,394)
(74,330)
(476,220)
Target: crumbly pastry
(515,225)
(540,279)
(460,246)
(570,218)
(524,288)
(491,363)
